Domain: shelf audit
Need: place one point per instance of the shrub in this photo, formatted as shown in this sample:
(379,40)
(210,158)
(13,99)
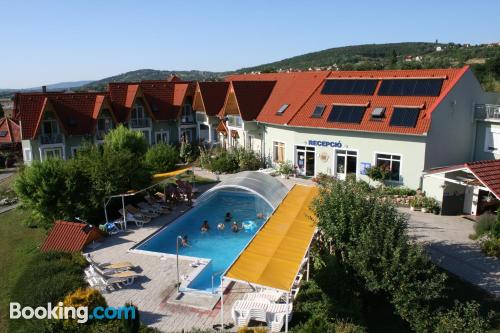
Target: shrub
(463,318)
(247,159)
(230,161)
(162,158)
(47,277)
(285,168)
(89,297)
(131,325)
(123,138)
(188,152)
(487,223)
(490,245)
(399,190)
(378,173)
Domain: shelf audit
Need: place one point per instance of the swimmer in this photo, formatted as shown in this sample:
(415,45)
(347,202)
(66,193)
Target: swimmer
(260,216)
(221,226)
(205,227)
(184,241)
(228,217)
(235,227)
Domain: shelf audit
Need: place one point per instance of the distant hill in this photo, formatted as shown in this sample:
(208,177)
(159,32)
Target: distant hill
(152,74)
(50,87)
(484,60)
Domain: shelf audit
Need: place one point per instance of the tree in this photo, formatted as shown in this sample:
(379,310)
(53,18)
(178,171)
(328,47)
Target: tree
(122,138)
(162,158)
(394,59)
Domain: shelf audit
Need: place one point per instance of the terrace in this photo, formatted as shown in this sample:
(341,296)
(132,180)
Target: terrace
(155,292)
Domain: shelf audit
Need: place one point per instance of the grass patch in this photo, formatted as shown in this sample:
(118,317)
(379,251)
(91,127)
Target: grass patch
(18,245)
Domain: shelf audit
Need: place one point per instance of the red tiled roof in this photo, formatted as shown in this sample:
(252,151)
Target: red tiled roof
(70,237)
(292,88)
(11,129)
(75,111)
(213,95)
(251,96)
(487,172)
(304,95)
(303,117)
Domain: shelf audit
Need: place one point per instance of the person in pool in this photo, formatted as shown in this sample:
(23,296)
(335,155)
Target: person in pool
(184,241)
(205,227)
(221,226)
(235,227)
(260,216)
(228,217)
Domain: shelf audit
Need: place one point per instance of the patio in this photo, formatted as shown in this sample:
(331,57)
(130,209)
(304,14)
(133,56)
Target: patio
(155,289)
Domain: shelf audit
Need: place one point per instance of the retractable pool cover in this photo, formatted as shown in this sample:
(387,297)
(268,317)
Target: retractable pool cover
(267,187)
(274,256)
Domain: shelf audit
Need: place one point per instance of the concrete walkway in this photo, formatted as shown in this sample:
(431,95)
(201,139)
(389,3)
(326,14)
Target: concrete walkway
(446,239)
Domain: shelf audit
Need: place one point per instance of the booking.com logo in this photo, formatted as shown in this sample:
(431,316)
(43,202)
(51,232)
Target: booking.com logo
(81,313)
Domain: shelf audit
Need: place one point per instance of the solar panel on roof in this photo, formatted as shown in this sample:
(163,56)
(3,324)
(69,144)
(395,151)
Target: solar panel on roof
(3,134)
(349,87)
(404,117)
(282,109)
(346,114)
(410,87)
(318,111)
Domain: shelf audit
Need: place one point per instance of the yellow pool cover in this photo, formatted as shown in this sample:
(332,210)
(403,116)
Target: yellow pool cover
(275,254)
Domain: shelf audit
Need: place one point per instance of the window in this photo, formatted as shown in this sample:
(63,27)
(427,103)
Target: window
(282,109)
(278,152)
(50,127)
(378,113)
(346,114)
(318,111)
(138,112)
(250,142)
(234,120)
(404,117)
(346,162)
(410,87)
(3,134)
(391,162)
(74,150)
(52,153)
(162,137)
(349,87)
(27,155)
(187,113)
(492,140)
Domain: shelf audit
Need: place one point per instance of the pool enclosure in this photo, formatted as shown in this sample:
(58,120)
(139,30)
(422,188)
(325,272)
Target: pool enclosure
(270,189)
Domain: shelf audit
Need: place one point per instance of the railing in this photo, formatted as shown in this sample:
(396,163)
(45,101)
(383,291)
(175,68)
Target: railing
(487,111)
(187,119)
(47,139)
(234,121)
(140,123)
(213,275)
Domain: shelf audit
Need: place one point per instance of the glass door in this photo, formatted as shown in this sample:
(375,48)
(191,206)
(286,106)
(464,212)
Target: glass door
(305,160)
(346,162)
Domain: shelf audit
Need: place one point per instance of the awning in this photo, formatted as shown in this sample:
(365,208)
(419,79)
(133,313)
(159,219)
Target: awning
(234,134)
(274,256)
(162,176)
(221,128)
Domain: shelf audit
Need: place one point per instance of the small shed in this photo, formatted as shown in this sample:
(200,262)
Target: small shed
(70,237)
(470,188)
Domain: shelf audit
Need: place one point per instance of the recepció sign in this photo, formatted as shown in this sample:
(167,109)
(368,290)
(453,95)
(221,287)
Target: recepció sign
(333,144)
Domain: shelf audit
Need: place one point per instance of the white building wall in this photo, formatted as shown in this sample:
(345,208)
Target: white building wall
(410,148)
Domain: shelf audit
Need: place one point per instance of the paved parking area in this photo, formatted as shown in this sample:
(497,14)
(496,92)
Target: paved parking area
(446,239)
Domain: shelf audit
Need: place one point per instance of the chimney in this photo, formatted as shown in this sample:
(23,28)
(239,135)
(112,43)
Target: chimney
(44,89)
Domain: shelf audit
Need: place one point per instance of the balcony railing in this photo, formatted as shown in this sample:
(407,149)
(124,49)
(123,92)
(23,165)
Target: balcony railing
(140,123)
(48,139)
(187,119)
(487,111)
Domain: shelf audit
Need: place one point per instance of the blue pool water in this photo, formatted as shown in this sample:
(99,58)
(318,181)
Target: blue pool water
(221,246)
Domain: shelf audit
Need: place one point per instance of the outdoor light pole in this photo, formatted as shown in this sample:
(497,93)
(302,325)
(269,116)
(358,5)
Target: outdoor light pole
(177,255)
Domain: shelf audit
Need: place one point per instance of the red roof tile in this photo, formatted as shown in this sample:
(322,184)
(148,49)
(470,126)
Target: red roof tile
(75,111)
(251,96)
(292,88)
(11,129)
(488,172)
(213,95)
(70,237)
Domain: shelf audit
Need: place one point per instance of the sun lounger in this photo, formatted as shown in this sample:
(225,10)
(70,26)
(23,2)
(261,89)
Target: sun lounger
(145,212)
(156,210)
(276,316)
(125,277)
(110,267)
(243,311)
(269,294)
(132,218)
(157,202)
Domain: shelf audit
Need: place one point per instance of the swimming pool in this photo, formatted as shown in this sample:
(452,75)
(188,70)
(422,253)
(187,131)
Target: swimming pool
(222,247)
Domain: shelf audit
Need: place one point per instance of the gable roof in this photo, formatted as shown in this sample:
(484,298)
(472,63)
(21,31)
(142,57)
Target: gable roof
(292,88)
(70,237)
(251,96)
(429,103)
(213,95)
(487,172)
(11,130)
(74,111)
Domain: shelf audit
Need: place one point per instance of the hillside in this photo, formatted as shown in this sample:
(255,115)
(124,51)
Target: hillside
(152,74)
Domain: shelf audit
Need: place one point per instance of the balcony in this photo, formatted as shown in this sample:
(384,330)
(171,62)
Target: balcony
(487,111)
(189,119)
(140,123)
(100,134)
(49,139)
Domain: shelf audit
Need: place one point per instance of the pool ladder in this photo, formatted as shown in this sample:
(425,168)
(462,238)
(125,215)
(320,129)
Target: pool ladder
(213,275)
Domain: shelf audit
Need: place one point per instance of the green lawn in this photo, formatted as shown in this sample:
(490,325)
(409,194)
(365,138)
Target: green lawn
(17,246)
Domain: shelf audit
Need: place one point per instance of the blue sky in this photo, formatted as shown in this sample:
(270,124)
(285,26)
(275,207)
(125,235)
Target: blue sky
(51,41)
